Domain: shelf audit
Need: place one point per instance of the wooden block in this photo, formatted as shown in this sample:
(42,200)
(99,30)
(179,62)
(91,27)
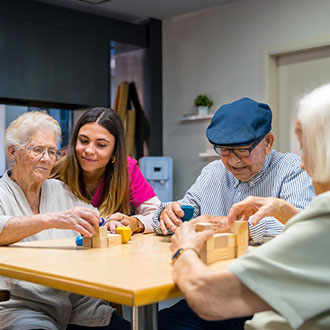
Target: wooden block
(113,239)
(241,229)
(87,242)
(209,257)
(240,250)
(222,240)
(125,233)
(98,242)
(203,226)
(101,232)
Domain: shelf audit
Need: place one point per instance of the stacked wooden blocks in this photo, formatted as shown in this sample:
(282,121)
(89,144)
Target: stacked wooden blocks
(102,239)
(222,246)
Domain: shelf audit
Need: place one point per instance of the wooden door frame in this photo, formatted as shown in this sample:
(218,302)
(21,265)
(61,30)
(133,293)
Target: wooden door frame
(269,79)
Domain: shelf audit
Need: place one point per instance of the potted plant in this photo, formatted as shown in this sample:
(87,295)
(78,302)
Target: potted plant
(202,102)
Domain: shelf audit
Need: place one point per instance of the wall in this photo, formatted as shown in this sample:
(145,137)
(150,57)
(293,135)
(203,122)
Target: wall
(219,52)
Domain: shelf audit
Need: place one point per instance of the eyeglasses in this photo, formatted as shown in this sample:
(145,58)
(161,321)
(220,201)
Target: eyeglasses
(240,153)
(39,151)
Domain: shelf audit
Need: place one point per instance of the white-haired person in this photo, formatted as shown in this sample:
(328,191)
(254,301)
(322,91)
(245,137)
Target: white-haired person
(33,207)
(286,281)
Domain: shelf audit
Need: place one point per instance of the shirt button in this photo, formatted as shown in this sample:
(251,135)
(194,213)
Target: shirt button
(239,193)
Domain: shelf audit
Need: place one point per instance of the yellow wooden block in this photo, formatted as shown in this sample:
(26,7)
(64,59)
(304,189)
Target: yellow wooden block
(114,239)
(209,257)
(125,233)
(222,240)
(240,250)
(87,242)
(203,226)
(99,242)
(241,229)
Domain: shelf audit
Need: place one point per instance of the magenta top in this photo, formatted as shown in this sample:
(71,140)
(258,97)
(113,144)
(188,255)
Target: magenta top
(139,188)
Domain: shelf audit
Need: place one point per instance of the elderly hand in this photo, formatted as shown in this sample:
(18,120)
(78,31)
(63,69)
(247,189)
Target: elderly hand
(170,218)
(260,207)
(186,236)
(80,219)
(120,219)
(220,224)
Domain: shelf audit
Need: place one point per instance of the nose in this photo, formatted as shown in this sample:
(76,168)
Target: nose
(233,158)
(90,148)
(45,155)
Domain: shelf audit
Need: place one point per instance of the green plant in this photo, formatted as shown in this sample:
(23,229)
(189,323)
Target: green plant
(202,101)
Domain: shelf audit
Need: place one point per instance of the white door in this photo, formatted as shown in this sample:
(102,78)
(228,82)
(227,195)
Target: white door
(297,74)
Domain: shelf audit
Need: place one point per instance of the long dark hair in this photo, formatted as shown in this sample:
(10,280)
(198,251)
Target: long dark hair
(116,180)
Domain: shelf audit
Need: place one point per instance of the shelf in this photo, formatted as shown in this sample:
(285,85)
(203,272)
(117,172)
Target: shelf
(195,117)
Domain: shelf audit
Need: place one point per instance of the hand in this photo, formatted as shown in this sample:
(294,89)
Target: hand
(80,219)
(186,236)
(170,218)
(120,219)
(220,224)
(260,207)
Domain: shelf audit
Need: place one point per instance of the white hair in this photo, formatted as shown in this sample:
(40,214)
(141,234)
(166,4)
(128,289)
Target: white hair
(22,128)
(314,115)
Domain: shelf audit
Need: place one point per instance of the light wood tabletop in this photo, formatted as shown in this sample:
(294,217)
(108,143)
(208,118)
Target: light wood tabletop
(133,274)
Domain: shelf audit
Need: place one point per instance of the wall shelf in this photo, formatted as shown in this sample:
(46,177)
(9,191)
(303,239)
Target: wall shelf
(195,117)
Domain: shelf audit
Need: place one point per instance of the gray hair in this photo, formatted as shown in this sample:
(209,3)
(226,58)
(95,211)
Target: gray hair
(22,128)
(314,115)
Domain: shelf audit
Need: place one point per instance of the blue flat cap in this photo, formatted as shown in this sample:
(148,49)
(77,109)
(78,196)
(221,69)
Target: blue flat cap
(240,123)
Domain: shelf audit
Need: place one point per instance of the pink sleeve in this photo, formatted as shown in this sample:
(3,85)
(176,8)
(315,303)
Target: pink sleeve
(139,188)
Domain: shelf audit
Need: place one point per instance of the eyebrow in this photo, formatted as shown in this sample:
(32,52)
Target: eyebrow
(85,136)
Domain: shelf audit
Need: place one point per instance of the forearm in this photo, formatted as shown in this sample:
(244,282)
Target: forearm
(18,228)
(214,294)
(145,212)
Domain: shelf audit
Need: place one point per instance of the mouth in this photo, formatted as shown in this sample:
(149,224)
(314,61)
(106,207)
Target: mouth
(88,160)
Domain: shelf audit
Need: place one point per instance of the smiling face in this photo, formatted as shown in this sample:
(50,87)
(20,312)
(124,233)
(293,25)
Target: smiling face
(245,168)
(29,168)
(94,147)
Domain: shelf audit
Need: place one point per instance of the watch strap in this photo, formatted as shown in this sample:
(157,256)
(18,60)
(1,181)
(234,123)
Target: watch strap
(178,253)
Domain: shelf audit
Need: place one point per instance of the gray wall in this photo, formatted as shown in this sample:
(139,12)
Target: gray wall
(219,52)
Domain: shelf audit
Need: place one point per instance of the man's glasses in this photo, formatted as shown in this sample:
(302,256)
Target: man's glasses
(39,151)
(240,153)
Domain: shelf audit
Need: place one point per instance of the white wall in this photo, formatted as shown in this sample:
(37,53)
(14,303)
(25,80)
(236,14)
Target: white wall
(219,52)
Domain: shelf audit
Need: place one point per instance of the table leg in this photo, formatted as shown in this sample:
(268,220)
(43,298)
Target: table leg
(144,317)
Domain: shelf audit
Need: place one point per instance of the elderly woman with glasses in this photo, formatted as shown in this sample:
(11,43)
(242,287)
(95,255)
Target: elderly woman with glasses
(33,207)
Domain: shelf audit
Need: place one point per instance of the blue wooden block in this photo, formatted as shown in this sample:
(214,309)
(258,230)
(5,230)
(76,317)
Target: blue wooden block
(188,212)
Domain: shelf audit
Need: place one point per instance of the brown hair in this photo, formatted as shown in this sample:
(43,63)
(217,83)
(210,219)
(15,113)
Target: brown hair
(116,180)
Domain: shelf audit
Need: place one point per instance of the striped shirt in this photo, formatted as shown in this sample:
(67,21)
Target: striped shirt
(216,190)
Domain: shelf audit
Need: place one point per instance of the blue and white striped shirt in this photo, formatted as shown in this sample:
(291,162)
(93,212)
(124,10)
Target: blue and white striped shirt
(216,190)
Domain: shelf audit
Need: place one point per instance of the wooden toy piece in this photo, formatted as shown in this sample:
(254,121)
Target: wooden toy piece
(203,226)
(241,229)
(87,242)
(222,246)
(114,239)
(101,232)
(99,242)
(125,233)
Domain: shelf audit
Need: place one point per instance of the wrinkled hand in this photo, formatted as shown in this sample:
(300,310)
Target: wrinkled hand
(220,224)
(261,207)
(186,236)
(170,218)
(80,219)
(120,219)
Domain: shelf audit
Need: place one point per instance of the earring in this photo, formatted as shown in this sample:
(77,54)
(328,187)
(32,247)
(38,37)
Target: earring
(113,159)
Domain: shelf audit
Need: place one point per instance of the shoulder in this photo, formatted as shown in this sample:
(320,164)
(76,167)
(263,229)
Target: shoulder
(285,162)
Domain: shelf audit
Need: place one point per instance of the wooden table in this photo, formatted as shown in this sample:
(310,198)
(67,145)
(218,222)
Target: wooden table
(137,274)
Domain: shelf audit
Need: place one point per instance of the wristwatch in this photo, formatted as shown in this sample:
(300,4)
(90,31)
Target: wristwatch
(178,253)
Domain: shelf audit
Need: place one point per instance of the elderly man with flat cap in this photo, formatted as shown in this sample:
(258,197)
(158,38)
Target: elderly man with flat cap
(248,166)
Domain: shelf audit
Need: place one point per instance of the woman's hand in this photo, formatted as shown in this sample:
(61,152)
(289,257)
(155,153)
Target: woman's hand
(120,219)
(170,218)
(80,219)
(186,236)
(260,207)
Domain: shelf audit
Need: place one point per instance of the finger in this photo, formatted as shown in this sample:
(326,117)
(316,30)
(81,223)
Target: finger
(117,216)
(172,216)
(255,219)
(176,208)
(168,223)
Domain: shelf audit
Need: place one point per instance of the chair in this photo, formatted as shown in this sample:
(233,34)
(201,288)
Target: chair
(4,295)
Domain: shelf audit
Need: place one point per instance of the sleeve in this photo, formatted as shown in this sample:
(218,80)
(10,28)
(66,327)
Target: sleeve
(192,197)
(294,265)
(145,211)
(139,188)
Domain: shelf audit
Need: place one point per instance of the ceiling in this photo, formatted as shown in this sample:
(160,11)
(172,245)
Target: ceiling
(135,10)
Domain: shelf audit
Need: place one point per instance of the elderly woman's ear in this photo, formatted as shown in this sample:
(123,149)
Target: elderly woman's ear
(12,154)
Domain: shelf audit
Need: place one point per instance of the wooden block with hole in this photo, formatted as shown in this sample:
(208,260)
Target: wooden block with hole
(99,242)
(113,239)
